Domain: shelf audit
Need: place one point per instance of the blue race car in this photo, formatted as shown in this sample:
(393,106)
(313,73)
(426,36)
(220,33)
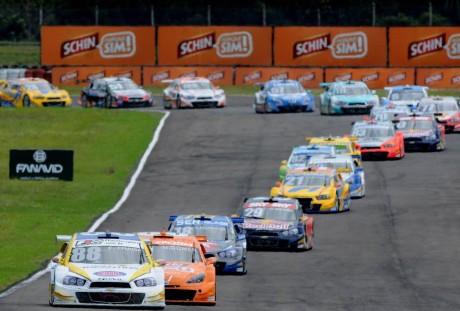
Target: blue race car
(407,95)
(347,97)
(283,96)
(276,223)
(223,242)
(301,154)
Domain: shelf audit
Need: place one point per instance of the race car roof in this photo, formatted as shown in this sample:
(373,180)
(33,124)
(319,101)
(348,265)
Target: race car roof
(106,235)
(313,170)
(406,87)
(187,220)
(313,149)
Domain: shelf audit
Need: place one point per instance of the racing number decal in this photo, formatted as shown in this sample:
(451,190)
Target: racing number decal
(85,254)
(254,212)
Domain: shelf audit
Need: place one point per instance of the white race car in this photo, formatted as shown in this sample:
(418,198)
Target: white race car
(106,270)
(196,92)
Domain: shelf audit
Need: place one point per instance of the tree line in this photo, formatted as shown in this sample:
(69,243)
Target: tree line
(20,20)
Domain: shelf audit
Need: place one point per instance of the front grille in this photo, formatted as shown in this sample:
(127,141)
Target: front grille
(220,266)
(110,285)
(374,155)
(116,298)
(257,242)
(204,98)
(53,98)
(263,233)
(204,104)
(356,109)
(179,294)
(47,104)
(369,148)
(305,203)
(414,139)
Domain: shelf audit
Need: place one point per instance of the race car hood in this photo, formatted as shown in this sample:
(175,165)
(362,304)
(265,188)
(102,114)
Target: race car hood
(177,273)
(404,102)
(446,115)
(214,247)
(110,273)
(290,99)
(416,133)
(130,93)
(300,191)
(267,224)
(372,142)
(355,99)
(50,93)
(204,93)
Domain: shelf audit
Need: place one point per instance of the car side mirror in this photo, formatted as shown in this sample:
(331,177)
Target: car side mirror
(56,259)
(212,260)
(284,162)
(241,237)
(278,184)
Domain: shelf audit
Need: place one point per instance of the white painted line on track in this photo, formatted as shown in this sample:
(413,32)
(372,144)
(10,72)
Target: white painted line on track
(100,220)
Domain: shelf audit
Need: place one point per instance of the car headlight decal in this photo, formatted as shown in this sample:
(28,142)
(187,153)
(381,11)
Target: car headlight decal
(146,282)
(74,281)
(197,278)
(324,197)
(231,253)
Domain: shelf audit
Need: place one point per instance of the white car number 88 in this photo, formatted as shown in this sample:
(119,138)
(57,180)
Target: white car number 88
(85,254)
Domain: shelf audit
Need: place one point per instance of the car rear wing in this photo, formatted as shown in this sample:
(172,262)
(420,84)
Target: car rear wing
(63,238)
(167,81)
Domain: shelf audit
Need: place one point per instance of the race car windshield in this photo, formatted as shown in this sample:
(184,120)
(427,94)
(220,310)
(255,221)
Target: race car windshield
(306,180)
(407,95)
(298,159)
(211,232)
(269,213)
(342,165)
(286,89)
(373,132)
(43,87)
(197,86)
(342,149)
(438,107)
(414,124)
(125,85)
(352,90)
(176,253)
(108,254)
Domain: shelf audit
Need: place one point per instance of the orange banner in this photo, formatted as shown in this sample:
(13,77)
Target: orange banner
(424,46)
(330,46)
(97,45)
(375,78)
(308,77)
(78,75)
(438,77)
(214,45)
(218,75)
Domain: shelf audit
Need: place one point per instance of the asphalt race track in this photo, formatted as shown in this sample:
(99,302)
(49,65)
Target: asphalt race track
(398,249)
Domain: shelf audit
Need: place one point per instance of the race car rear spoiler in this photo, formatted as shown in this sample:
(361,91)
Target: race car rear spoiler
(63,238)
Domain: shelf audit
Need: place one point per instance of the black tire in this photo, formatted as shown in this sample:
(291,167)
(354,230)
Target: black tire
(165,103)
(84,101)
(108,102)
(178,102)
(26,101)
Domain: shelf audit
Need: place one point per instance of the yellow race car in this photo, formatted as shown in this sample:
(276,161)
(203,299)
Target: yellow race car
(343,145)
(318,189)
(26,92)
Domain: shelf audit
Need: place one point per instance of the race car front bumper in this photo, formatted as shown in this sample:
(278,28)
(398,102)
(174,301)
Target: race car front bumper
(265,239)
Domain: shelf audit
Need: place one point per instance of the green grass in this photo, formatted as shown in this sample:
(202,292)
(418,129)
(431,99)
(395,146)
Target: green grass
(20,53)
(107,146)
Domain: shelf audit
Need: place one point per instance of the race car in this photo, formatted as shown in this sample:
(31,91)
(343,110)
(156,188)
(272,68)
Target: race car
(301,154)
(347,97)
(276,224)
(378,140)
(28,92)
(445,109)
(318,189)
(192,92)
(223,242)
(190,277)
(106,269)
(343,145)
(389,112)
(404,95)
(345,165)
(422,132)
(283,96)
(115,92)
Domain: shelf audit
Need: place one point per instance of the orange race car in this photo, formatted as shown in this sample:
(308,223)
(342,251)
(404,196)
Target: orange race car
(189,276)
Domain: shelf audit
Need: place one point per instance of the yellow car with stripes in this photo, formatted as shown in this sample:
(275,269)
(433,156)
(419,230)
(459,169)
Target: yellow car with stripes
(318,189)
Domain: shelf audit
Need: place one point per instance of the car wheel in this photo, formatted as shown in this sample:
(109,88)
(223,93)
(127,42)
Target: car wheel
(337,202)
(84,101)
(245,270)
(321,109)
(442,145)
(329,108)
(108,102)
(166,103)
(51,298)
(259,108)
(267,108)
(26,101)
(178,102)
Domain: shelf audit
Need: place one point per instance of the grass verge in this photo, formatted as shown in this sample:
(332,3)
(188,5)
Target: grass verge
(107,146)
